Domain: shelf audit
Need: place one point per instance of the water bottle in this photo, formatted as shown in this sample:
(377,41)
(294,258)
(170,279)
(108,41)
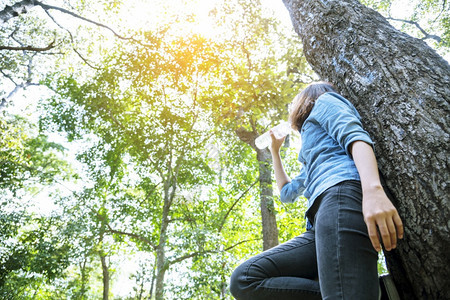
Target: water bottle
(281,130)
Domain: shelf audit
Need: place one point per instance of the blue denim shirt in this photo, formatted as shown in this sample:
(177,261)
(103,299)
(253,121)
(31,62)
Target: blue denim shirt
(326,135)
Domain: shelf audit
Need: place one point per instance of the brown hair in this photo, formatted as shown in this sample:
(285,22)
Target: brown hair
(304,102)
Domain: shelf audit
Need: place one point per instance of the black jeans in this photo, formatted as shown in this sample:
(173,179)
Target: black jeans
(337,251)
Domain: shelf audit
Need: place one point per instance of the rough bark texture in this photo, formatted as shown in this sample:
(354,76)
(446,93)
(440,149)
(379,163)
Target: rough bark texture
(16,9)
(401,88)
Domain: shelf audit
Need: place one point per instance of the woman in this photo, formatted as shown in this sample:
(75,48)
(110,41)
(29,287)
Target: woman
(336,258)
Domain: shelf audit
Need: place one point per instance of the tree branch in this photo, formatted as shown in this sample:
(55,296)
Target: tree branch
(18,86)
(130,234)
(426,34)
(241,242)
(48,7)
(444,4)
(3,103)
(72,40)
(29,48)
(23,6)
(234,204)
(8,76)
(197,253)
(16,9)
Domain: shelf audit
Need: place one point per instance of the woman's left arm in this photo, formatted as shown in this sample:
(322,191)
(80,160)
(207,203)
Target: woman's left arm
(378,210)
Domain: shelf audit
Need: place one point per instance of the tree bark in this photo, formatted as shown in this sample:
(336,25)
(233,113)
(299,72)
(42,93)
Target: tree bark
(105,268)
(161,260)
(84,277)
(16,9)
(401,88)
(106,277)
(268,218)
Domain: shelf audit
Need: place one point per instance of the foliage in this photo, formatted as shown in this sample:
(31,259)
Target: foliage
(428,20)
(260,73)
(32,256)
(26,157)
(150,145)
(156,119)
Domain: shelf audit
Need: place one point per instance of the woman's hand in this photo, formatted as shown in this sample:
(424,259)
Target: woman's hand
(379,212)
(276,143)
(280,175)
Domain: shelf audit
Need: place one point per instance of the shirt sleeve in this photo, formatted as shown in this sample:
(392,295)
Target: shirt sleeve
(292,190)
(341,121)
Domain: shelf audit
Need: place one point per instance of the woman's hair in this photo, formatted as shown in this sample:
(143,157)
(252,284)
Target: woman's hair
(304,102)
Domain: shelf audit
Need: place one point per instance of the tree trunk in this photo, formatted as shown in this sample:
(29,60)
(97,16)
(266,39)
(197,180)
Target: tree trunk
(401,88)
(160,272)
(152,285)
(105,269)
(161,261)
(105,276)
(84,275)
(268,218)
(16,9)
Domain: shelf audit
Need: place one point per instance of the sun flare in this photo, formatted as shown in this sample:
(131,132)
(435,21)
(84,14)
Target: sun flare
(182,16)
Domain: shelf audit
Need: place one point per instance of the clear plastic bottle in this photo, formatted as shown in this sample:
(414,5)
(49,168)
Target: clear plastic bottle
(281,130)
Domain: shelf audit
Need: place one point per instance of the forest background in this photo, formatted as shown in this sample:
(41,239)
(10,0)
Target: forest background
(128,168)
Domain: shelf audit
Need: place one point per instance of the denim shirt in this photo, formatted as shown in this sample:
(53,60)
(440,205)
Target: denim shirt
(326,135)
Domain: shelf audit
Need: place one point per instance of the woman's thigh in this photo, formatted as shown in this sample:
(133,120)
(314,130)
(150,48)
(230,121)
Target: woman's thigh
(285,272)
(347,261)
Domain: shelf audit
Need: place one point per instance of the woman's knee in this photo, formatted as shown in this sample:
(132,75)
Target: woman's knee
(237,282)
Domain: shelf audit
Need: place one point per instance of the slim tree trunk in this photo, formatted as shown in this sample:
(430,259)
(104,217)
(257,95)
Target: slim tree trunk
(161,261)
(152,285)
(105,268)
(106,278)
(401,88)
(160,272)
(84,275)
(268,218)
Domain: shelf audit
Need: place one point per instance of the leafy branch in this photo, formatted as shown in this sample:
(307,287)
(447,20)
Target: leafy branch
(120,232)
(194,254)
(23,6)
(426,34)
(234,204)
(72,40)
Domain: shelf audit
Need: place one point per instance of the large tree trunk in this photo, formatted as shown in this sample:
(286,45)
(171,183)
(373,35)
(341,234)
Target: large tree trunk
(401,88)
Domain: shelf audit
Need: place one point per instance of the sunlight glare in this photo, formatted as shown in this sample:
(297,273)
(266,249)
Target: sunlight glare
(184,16)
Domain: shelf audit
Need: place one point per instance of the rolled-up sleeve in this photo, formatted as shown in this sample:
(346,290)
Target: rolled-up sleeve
(341,121)
(292,190)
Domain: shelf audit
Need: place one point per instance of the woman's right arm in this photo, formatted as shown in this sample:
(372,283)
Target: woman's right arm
(280,175)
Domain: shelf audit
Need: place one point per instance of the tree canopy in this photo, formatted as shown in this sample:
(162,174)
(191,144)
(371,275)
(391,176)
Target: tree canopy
(128,168)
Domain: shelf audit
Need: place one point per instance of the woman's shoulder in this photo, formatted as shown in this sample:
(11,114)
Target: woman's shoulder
(331,98)
(330,105)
